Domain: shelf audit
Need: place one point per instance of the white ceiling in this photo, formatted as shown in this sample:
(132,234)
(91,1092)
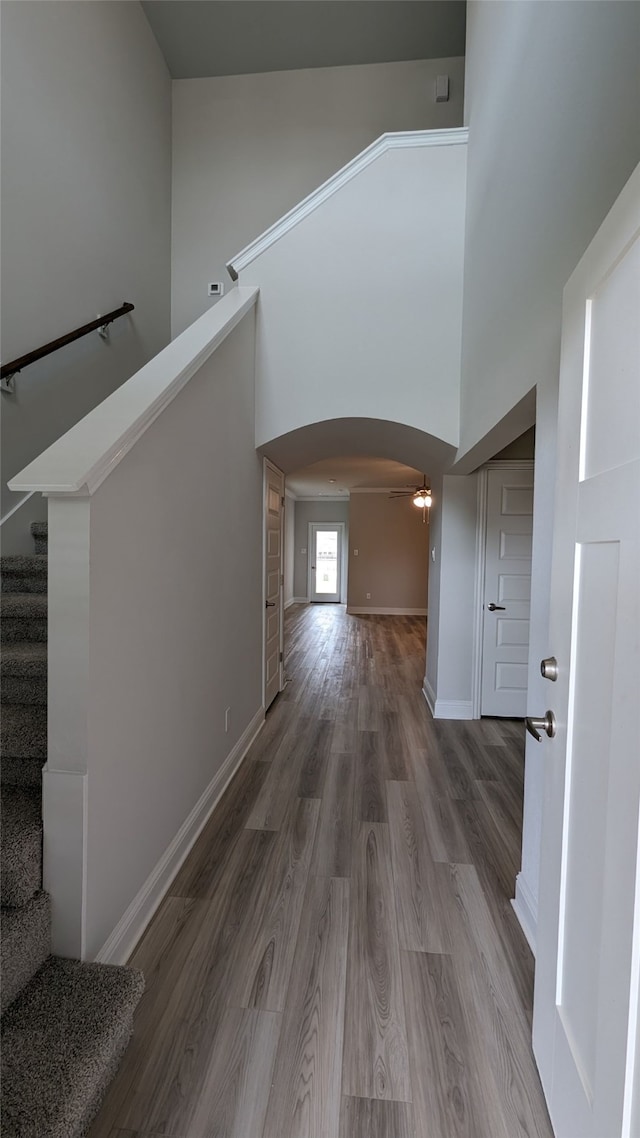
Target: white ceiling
(201,38)
(315,481)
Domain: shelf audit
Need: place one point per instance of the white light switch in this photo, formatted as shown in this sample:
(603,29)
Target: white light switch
(355,553)
(303,551)
(433,553)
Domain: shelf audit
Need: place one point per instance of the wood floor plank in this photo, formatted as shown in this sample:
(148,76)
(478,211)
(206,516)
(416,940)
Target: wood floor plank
(376,1059)
(424,900)
(305,1096)
(280,784)
(267,938)
(234,1092)
(497,1020)
(283,904)
(163,1069)
(447,1088)
(377,1118)
(370,795)
(334,839)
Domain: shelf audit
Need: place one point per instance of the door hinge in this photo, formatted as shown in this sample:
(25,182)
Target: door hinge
(281,657)
(282,579)
(282,501)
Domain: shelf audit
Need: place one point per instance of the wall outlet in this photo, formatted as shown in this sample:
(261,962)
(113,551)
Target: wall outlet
(368,596)
(215,288)
(227,716)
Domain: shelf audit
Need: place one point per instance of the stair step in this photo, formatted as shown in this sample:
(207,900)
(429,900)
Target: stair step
(21,772)
(21,852)
(23,616)
(62,1041)
(23,732)
(25,660)
(40,534)
(26,943)
(16,689)
(23,574)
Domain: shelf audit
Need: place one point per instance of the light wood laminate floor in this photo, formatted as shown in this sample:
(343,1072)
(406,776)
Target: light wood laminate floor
(338,957)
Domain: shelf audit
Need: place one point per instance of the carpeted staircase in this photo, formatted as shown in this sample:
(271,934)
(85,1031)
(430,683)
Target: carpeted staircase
(65,1025)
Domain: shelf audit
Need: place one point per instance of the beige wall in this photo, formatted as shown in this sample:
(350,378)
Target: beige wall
(393,554)
(306,512)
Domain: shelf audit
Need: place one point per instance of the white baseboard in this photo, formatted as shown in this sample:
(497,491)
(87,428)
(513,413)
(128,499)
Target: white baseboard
(429,695)
(288,604)
(122,941)
(358,610)
(297,601)
(453,709)
(526,910)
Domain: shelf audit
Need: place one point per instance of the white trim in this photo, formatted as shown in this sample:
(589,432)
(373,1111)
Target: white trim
(453,709)
(120,944)
(300,601)
(323,498)
(402,140)
(342,566)
(525,908)
(82,458)
(290,494)
(368,610)
(478,594)
(267,464)
(429,695)
(18,506)
(289,603)
(480,570)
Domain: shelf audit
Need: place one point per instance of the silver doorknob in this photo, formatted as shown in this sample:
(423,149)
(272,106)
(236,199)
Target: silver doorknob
(270,604)
(495,608)
(547,724)
(549,668)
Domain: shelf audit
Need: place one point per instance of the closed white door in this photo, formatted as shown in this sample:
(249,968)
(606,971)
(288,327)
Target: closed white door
(273,593)
(588,958)
(507,592)
(326,563)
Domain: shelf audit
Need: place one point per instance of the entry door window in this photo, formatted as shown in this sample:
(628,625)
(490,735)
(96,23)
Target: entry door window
(325,563)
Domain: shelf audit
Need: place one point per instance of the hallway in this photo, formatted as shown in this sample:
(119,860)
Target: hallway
(338,957)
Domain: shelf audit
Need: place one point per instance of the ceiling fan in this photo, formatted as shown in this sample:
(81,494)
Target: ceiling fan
(421,496)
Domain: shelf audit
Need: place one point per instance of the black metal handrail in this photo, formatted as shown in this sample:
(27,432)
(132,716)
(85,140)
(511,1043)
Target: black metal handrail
(101,322)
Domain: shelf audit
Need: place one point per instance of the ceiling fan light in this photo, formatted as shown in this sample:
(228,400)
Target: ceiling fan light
(422,499)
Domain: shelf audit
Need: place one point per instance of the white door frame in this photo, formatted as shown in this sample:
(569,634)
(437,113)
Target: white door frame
(341,527)
(481,543)
(266,465)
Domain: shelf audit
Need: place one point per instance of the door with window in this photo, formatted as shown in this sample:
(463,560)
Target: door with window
(325,563)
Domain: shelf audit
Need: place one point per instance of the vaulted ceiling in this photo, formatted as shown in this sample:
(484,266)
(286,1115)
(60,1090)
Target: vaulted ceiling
(202,38)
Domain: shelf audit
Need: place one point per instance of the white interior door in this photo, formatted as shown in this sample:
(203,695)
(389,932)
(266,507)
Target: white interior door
(507,591)
(273,593)
(588,958)
(326,562)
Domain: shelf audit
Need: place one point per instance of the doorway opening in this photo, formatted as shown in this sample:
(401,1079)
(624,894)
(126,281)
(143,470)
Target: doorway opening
(326,562)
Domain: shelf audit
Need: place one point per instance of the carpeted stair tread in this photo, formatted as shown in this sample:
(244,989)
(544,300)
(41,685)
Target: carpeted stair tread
(25,659)
(21,852)
(61,1043)
(23,732)
(26,940)
(22,573)
(26,773)
(24,689)
(23,616)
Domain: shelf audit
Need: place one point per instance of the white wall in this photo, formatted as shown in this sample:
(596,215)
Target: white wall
(450,635)
(307,512)
(552,102)
(393,549)
(360,302)
(86,185)
(155,612)
(247,148)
